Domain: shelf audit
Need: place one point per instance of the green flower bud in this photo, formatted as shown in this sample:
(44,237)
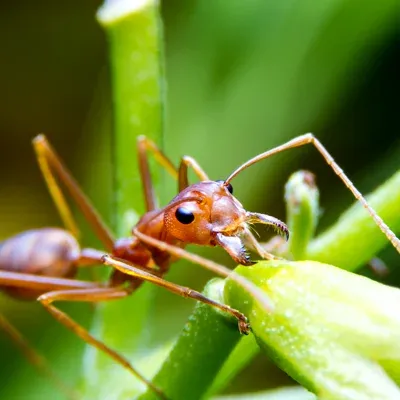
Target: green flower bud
(302,207)
(334,332)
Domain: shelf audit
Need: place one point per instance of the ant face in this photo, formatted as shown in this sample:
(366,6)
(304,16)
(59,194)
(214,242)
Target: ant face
(209,209)
(207,213)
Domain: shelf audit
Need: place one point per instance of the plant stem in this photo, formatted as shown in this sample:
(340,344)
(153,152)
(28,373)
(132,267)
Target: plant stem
(134,32)
(200,351)
(355,238)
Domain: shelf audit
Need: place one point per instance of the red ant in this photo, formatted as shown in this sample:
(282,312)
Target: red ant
(42,263)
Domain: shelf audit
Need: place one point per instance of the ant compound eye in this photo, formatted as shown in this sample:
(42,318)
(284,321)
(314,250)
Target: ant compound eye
(184,216)
(228,186)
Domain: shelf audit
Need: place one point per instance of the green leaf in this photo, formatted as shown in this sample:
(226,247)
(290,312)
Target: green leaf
(331,330)
(286,393)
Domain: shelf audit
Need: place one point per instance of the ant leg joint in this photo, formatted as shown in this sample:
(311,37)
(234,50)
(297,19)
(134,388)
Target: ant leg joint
(104,259)
(141,138)
(187,292)
(244,326)
(44,299)
(243,323)
(187,159)
(310,136)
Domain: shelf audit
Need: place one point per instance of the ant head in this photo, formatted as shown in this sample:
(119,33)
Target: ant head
(206,213)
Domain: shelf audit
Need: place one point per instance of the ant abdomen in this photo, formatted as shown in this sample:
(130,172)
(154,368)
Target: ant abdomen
(47,252)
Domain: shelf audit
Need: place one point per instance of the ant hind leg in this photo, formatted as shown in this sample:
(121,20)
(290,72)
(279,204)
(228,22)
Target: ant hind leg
(35,358)
(92,295)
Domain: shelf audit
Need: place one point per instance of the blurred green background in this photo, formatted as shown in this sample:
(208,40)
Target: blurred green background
(242,77)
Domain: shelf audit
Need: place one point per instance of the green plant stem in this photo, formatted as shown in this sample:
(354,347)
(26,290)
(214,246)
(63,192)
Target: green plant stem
(355,238)
(200,351)
(138,85)
(241,356)
(134,33)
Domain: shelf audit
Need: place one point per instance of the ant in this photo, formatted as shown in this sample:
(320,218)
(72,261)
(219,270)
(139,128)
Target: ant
(41,264)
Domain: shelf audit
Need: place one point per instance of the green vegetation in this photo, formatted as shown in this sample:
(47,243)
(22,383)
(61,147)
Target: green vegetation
(242,78)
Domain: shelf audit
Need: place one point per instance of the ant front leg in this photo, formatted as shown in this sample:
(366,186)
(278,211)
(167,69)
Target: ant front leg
(378,267)
(210,265)
(183,291)
(36,359)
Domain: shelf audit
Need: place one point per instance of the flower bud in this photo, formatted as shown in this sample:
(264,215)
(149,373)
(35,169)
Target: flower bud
(302,207)
(334,332)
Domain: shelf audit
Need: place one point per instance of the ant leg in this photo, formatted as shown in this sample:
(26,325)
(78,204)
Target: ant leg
(71,290)
(183,291)
(91,295)
(42,283)
(36,359)
(210,265)
(52,167)
(146,145)
(378,267)
(39,283)
(186,162)
(309,138)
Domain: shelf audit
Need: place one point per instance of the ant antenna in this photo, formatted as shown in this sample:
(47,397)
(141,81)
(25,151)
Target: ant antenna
(247,164)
